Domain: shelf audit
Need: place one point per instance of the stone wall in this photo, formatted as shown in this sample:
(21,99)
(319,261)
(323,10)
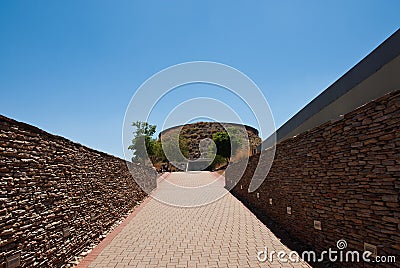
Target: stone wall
(343,174)
(58,197)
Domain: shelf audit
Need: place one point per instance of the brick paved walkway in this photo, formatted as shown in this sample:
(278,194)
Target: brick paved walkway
(223,233)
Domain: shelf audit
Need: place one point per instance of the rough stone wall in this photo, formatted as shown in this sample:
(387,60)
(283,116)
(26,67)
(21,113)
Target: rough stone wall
(195,132)
(58,197)
(345,174)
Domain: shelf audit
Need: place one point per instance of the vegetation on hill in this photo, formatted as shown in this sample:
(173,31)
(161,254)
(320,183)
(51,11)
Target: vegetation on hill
(179,144)
(144,146)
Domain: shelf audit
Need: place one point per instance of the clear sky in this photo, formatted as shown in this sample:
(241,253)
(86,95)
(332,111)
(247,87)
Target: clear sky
(71,67)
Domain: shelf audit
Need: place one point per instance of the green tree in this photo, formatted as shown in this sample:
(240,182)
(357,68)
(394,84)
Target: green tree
(159,155)
(176,149)
(225,145)
(142,142)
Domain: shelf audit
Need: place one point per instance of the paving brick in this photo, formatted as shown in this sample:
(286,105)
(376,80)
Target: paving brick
(204,236)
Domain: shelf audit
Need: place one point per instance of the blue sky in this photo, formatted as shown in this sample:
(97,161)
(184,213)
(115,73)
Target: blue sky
(71,67)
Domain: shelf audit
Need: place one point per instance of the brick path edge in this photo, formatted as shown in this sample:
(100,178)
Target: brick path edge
(87,260)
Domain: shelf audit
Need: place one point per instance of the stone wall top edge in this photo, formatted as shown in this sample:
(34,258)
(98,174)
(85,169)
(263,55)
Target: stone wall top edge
(222,123)
(37,130)
(333,122)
